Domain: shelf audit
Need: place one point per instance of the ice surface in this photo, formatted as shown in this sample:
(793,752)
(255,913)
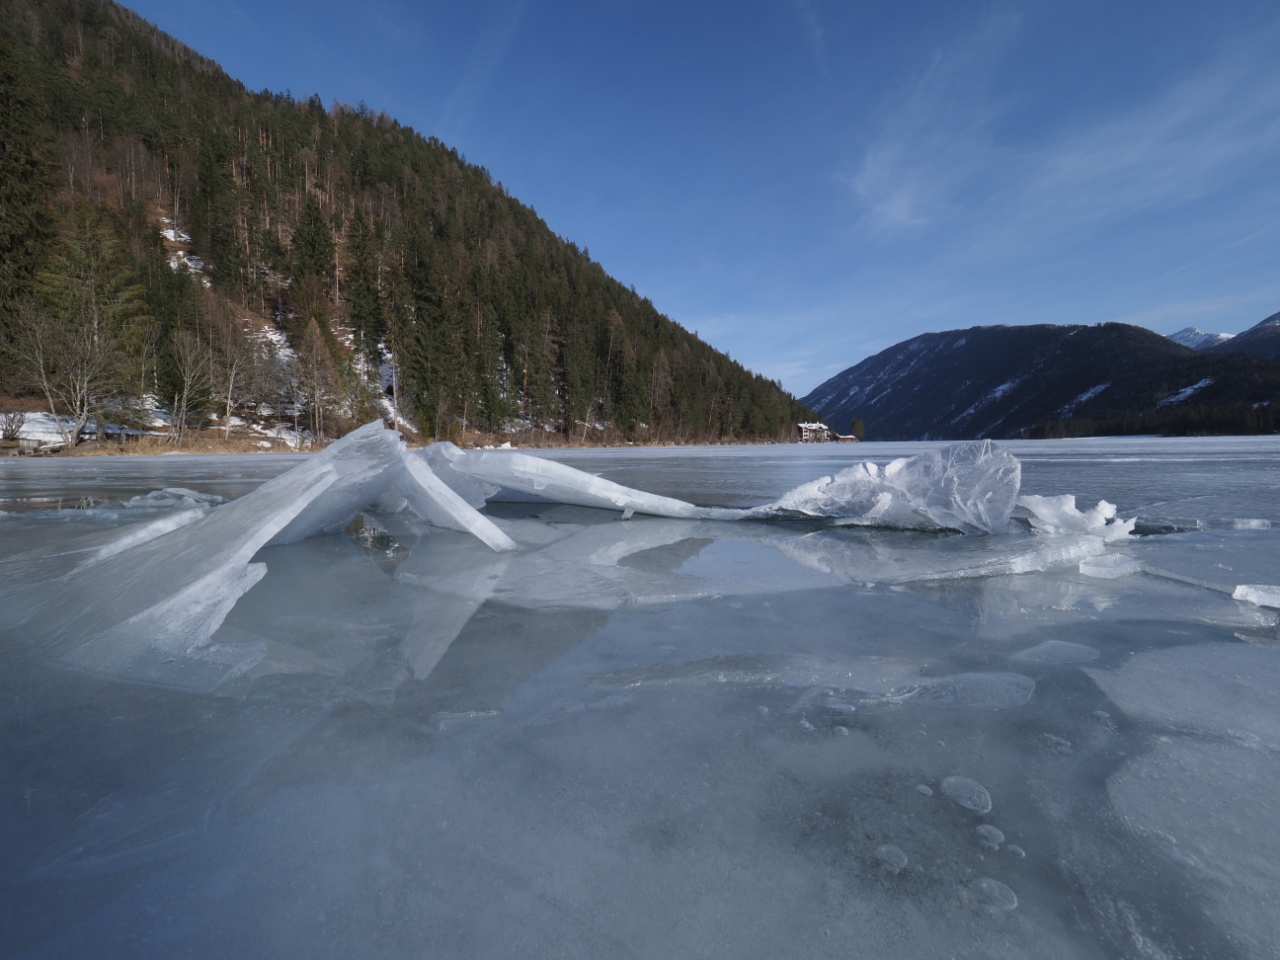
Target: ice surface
(986,691)
(1110,566)
(873,676)
(891,858)
(989,833)
(673,736)
(1058,651)
(1206,799)
(993,894)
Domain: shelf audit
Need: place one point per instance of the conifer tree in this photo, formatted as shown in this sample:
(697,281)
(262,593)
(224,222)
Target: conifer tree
(313,244)
(91,311)
(26,188)
(364,301)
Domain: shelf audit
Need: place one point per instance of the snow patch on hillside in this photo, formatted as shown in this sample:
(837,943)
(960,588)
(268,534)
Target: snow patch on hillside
(1083,398)
(1185,393)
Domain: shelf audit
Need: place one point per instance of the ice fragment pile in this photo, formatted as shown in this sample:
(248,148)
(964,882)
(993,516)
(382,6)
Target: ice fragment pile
(150,597)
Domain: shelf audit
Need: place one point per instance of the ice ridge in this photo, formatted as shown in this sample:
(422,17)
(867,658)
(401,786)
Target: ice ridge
(966,487)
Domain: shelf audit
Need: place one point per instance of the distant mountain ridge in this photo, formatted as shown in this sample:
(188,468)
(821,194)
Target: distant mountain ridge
(1046,380)
(1260,340)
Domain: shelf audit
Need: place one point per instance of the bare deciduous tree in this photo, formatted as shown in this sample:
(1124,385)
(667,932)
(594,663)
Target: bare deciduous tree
(74,368)
(11,423)
(191,360)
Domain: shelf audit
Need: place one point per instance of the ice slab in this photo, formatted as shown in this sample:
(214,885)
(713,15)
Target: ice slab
(967,487)
(1224,689)
(1059,515)
(150,599)
(370,464)
(433,500)
(1205,800)
(867,558)
(489,470)
(1259,594)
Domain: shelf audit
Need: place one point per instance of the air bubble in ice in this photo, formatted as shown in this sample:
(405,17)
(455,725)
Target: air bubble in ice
(806,725)
(968,793)
(924,790)
(988,846)
(993,894)
(1057,651)
(891,858)
(993,834)
(1016,850)
(843,731)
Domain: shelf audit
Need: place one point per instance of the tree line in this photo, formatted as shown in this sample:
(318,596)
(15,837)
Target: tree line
(383,255)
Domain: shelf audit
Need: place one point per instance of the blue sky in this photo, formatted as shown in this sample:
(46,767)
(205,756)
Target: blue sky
(806,182)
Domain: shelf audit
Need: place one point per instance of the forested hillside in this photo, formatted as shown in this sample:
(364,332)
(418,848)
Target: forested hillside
(160,224)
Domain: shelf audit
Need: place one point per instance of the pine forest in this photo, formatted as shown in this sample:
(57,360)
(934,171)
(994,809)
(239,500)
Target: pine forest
(172,240)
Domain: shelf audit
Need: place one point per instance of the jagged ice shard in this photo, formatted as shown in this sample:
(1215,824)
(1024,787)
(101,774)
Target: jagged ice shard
(967,487)
(156,593)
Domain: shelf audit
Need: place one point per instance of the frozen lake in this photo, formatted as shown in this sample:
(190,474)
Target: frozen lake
(662,737)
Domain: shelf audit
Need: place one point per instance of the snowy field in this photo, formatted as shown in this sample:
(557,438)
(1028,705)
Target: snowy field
(817,728)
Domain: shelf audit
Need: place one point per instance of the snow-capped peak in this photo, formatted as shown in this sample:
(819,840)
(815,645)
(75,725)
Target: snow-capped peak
(1197,339)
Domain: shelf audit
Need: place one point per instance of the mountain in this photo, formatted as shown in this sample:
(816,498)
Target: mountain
(367,253)
(1197,339)
(1260,340)
(1045,380)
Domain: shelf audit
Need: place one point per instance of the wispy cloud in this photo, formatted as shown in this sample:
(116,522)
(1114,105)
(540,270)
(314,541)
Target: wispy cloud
(937,138)
(1171,316)
(939,160)
(815,36)
(486,56)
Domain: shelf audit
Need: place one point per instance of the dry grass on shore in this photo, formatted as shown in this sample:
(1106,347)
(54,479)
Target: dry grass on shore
(213,441)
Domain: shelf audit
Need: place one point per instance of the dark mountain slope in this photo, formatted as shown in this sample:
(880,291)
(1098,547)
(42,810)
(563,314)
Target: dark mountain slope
(364,240)
(1260,340)
(1047,380)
